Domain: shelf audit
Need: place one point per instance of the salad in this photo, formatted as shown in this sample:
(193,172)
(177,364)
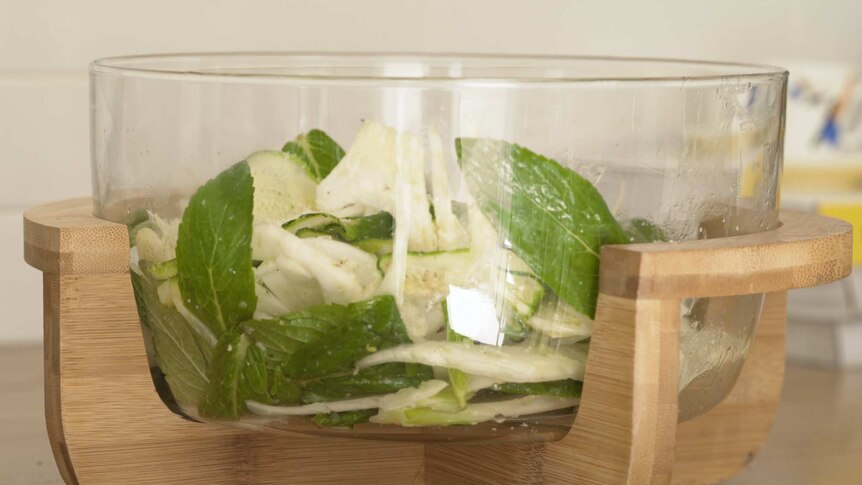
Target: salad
(408,281)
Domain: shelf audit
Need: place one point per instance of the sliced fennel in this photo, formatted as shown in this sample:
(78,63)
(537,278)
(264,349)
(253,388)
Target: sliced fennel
(262,409)
(474,413)
(282,187)
(404,398)
(556,319)
(156,239)
(289,283)
(409,397)
(451,233)
(510,364)
(342,279)
(384,170)
(426,281)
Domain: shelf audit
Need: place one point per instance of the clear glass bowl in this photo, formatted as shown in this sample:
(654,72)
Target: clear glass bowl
(406,246)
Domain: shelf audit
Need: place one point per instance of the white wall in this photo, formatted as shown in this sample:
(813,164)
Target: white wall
(45,47)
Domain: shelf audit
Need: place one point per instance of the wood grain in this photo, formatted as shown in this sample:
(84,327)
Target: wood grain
(807,250)
(65,238)
(107,424)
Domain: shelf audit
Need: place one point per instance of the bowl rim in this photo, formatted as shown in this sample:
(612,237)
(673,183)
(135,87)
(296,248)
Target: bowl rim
(147,65)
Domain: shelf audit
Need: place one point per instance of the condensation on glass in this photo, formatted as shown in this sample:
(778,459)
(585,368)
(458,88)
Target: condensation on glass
(691,149)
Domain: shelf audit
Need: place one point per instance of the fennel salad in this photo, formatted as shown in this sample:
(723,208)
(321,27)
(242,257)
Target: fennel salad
(408,280)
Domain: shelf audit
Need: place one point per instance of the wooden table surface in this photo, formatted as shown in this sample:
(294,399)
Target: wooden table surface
(817,437)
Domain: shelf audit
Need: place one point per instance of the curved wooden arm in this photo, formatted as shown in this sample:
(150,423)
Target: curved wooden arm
(626,427)
(807,250)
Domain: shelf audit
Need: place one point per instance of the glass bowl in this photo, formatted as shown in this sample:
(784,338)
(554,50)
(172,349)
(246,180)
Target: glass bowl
(406,246)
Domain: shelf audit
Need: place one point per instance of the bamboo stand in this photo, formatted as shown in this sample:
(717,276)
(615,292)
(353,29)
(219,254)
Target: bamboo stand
(107,425)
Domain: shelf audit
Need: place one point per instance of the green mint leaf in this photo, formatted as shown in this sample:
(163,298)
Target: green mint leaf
(282,337)
(368,326)
(328,339)
(238,373)
(214,251)
(561,388)
(318,151)
(180,353)
(284,391)
(640,230)
(554,219)
(345,419)
(380,379)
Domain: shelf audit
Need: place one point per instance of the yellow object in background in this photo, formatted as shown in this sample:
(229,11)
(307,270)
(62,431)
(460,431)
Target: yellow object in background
(852,213)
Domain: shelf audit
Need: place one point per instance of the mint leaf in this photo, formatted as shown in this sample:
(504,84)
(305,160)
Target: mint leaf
(182,356)
(214,251)
(309,356)
(318,151)
(380,379)
(282,337)
(639,230)
(365,327)
(554,219)
(284,391)
(343,420)
(238,373)
(561,388)
(328,339)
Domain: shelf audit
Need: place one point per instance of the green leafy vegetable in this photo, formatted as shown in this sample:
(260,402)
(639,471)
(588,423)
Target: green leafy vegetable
(555,220)
(346,419)
(318,151)
(181,354)
(561,388)
(329,339)
(284,391)
(365,328)
(238,374)
(216,277)
(381,379)
(640,230)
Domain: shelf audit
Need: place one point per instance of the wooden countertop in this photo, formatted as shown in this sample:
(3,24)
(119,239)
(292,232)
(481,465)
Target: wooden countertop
(816,439)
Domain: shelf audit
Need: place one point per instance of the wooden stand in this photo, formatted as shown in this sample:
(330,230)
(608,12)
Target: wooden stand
(107,425)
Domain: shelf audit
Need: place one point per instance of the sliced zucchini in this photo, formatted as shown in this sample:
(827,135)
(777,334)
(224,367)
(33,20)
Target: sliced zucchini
(162,271)
(282,187)
(307,232)
(377,247)
(372,234)
(314,220)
